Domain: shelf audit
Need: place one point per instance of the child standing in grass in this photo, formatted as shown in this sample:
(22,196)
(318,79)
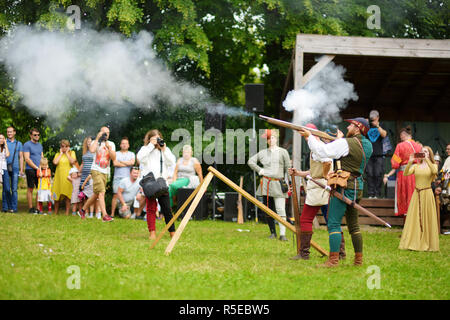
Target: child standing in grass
(75,178)
(44,175)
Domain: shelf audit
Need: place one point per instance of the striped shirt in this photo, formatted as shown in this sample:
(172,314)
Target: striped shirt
(87,160)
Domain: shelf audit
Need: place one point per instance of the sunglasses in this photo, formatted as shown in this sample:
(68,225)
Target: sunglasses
(135,168)
(35,134)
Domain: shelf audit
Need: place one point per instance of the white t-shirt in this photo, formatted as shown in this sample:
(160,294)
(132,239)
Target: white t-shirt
(3,165)
(102,158)
(130,189)
(122,172)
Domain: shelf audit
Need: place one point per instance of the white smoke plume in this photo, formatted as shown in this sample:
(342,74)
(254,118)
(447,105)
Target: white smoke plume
(322,99)
(55,70)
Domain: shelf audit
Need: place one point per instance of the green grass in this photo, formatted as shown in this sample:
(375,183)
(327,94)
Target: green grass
(212,260)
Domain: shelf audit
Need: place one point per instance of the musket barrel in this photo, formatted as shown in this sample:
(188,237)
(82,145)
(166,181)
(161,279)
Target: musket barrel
(292,126)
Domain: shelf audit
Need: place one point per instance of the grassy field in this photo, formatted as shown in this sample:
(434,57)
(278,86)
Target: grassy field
(212,260)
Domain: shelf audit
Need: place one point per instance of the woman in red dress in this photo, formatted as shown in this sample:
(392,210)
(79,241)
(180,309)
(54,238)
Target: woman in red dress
(404,186)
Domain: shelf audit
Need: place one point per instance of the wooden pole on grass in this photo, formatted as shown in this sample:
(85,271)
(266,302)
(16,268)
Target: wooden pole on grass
(189,213)
(296,212)
(263,207)
(175,217)
(240,218)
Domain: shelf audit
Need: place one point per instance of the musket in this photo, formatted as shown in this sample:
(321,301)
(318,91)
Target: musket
(348,201)
(289,125)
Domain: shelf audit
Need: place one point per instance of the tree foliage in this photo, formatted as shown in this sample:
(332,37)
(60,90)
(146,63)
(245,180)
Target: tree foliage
(221,45)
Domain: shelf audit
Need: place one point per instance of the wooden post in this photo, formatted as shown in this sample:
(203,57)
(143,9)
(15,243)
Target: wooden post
(263,207)
(296,212)
(438,209)
(189,213)
(175,217)
(240,219)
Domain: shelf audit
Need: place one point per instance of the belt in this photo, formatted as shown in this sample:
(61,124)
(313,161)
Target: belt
(420,206)
(268,184)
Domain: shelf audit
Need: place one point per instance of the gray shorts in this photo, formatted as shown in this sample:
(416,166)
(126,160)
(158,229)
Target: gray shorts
(116,182)
(128,212)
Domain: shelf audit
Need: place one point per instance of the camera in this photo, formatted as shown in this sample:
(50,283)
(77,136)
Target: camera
(103,138)
(160,142)
(419,155)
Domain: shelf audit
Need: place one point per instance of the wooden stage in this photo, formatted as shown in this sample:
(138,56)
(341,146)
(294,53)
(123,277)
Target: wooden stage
(383,208)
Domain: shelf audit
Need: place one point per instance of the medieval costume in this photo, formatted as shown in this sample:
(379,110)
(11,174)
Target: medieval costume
(404,185)
(316,197)
(352,154)
(275,164)
(421,226)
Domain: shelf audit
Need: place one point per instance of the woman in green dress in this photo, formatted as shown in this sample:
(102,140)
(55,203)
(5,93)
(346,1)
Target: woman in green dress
(420,232)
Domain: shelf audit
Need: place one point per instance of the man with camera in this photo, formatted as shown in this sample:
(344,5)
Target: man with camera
(375,166)
(105,151)
(14,168)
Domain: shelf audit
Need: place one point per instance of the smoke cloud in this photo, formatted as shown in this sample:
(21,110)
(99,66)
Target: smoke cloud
(53,71)
(322,99)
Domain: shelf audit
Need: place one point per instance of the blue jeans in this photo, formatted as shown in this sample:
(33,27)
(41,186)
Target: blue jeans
(9,196)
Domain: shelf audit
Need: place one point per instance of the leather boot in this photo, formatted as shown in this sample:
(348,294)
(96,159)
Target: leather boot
(305,244)
(342,253)
(358,259)
(333,261)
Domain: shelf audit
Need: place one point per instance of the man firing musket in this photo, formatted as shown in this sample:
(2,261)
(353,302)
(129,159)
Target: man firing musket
(351,154)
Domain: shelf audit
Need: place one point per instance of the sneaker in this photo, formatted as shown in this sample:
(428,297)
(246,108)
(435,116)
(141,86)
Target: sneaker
(98,216)
(273,236)
(107,218)
(32,210)
(133,216)
(11,211)
(283,238)
(91,215)
(82,214)
(75,213)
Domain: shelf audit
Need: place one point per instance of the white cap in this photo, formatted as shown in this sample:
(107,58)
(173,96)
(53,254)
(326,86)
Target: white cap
(373,114)
(73,170)
(437,157)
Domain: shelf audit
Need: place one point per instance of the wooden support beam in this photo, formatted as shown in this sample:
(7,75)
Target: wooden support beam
(175,217)
(189,213)
(263,207)
(322,63)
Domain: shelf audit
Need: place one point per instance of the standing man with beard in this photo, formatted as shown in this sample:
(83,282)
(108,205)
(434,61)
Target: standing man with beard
(352,154)
(32,152)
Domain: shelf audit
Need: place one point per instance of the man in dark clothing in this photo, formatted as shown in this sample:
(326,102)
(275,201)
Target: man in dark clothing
(375,166)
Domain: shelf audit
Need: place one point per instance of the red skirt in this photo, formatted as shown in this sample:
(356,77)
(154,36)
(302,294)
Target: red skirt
(404,188)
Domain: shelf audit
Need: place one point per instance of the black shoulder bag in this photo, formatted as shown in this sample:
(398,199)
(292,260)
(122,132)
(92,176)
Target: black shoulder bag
(154,188)
(9,166)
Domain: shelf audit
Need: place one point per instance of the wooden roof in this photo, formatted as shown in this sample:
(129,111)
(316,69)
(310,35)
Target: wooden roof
(404,79)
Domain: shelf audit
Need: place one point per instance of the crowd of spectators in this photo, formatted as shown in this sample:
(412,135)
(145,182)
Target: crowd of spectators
(81,187)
